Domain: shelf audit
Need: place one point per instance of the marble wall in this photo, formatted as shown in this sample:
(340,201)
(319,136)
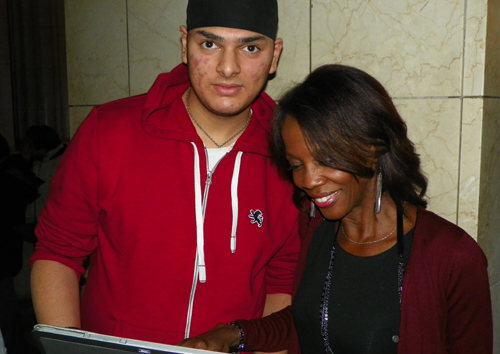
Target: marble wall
(489,220)
(438,59)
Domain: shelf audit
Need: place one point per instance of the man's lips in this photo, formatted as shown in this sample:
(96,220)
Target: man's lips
(327,200)
(227,89)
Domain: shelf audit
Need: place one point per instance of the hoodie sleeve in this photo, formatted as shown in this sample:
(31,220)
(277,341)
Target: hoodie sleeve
(67,228)
(281,268)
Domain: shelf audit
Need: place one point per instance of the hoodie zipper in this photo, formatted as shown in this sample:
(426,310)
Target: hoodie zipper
(208,182)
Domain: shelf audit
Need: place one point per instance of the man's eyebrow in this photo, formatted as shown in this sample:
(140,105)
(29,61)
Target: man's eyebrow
(251,39)
(217,38)
(211,36)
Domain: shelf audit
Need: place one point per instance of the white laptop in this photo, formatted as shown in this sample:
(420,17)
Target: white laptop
(57,340)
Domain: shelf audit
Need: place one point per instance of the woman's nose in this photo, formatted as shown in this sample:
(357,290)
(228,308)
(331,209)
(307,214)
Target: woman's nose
(311,177)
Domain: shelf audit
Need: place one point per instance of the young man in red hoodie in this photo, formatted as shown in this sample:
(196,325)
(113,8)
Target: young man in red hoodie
(173,195)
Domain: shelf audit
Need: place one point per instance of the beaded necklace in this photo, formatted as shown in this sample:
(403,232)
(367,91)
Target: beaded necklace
(328,280)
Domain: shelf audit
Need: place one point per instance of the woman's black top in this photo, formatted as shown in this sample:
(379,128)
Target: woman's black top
(364,312)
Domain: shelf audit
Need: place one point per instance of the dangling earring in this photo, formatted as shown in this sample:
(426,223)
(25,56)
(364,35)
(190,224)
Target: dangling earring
(312,213)
(378,201)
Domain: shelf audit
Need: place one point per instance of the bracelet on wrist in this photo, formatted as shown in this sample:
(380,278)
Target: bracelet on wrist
(237,349)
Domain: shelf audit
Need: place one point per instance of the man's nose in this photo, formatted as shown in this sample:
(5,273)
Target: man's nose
(228,65)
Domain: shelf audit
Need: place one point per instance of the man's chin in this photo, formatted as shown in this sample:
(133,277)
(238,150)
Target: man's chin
(230,112)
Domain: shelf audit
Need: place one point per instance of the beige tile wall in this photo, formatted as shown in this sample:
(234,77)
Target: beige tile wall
(438,59)
(492,64)
(434,127)
(154,39)
(413,47)
(470,162)
(97,54)
(489,206)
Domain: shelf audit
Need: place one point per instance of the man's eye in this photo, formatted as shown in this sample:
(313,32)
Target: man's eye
(251,49)
(208,45)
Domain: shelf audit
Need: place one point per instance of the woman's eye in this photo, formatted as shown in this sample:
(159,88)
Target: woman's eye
(208,45)
(293,166)
(251,49)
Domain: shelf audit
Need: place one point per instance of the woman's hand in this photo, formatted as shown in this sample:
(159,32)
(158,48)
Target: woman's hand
(218,339)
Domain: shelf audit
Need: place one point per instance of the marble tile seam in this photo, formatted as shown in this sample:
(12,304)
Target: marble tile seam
(441,97)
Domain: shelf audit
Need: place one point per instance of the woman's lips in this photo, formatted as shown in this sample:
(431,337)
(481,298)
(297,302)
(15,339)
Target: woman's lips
(327,200)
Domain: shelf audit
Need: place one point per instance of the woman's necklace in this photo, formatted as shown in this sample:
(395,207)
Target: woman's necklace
(366,242)
(325,296)
(204,131)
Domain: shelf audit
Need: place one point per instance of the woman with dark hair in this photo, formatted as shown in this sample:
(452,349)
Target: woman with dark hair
(350,123)
(378,273)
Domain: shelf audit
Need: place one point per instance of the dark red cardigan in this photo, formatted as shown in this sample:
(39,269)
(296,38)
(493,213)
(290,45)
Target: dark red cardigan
(446,304)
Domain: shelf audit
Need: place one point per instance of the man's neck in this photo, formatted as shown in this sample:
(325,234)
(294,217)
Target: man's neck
(216,131)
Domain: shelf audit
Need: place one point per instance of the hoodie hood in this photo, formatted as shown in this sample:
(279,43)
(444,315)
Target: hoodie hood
(163,115)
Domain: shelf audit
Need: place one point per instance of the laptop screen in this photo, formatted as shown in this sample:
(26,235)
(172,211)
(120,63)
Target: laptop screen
(57,340)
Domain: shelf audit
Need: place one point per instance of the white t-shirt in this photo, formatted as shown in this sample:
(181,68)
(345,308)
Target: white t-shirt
(214,156)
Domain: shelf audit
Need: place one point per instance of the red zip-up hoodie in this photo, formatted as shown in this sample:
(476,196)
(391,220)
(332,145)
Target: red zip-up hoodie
(171,255)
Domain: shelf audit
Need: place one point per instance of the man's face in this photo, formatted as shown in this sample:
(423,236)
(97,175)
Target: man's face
(228,67)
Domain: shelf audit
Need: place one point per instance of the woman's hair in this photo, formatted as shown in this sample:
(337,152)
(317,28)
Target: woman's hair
(348,119)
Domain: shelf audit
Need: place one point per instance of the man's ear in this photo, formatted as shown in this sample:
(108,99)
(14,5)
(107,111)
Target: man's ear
(278,47)
(184,37)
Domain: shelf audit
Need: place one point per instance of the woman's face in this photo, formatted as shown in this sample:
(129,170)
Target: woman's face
(336,193)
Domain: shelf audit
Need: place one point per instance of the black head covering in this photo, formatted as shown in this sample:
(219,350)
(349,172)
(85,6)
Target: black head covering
(259,16)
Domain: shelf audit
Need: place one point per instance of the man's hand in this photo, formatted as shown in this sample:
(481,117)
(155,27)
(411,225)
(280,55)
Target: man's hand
(218,339)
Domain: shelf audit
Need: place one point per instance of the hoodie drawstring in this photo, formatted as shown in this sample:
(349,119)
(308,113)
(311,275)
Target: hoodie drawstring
(200,253)
(234,199)
(200,211)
